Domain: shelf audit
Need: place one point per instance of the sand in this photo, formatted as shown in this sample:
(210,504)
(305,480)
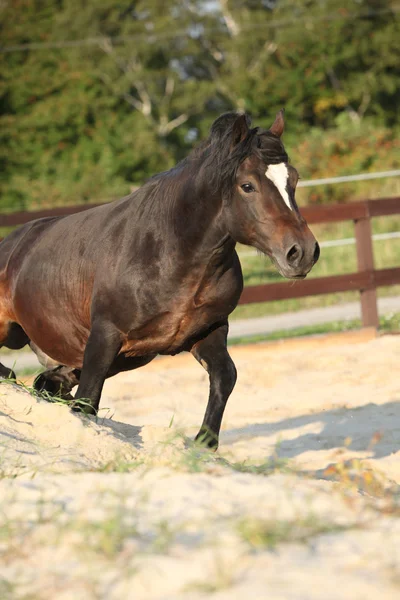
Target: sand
(301,501)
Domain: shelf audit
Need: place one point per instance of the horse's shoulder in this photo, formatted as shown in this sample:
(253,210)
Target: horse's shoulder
(224,284)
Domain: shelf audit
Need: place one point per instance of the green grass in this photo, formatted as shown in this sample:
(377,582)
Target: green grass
(79,403)
(387,324)
(265,309)
(108,536)
(267,534)
(119,465)
(223,577)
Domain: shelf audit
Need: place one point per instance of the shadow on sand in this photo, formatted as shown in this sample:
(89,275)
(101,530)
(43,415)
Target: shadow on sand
(354,428)
(122,431)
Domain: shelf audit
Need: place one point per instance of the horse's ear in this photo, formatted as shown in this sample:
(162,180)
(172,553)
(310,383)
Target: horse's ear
(240,129)
(278,125)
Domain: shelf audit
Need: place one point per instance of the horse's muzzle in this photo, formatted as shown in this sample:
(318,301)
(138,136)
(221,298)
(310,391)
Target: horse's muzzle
(298,259)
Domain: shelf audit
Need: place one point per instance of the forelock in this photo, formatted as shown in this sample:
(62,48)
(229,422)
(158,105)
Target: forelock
(270,148)
(221,162)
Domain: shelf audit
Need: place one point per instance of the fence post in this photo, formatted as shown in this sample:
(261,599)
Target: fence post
(365,260)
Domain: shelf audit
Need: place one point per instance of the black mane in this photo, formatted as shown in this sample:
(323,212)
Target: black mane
(214,163)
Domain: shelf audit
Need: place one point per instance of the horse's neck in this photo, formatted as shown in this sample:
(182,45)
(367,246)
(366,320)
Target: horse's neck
(191,214)
(187,215)
(207,235)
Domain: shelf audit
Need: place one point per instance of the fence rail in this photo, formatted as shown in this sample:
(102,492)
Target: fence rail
(366,280)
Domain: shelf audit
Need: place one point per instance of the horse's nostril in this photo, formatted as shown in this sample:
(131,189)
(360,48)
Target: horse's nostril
(294,255)
(316,252)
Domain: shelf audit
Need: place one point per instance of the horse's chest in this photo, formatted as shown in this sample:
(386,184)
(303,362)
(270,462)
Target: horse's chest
(195,320)
(193,310)
(171,331)
(210,302)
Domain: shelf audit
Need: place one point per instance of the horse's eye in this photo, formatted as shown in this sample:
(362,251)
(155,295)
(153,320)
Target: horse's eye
(247,187)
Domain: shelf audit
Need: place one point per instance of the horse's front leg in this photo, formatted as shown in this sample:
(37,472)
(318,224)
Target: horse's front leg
(101,349)
(212,354)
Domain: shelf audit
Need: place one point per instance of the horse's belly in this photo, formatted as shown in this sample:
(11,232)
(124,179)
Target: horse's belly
(63,342)
(59,329)
(66,349)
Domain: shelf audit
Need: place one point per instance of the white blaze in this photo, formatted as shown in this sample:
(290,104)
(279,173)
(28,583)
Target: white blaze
(278,174)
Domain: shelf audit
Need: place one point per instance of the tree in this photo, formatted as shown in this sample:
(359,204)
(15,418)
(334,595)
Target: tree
(97,96)
(101,116)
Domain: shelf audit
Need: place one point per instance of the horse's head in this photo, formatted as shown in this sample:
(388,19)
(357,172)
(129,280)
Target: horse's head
(259,200)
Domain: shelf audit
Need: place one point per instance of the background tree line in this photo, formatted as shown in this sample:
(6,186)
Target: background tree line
(98,95)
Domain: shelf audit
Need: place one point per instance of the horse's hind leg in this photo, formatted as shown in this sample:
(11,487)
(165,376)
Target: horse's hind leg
(14,337)
(58,382)
(6,373)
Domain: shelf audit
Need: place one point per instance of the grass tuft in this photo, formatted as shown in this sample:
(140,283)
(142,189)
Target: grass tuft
(225,574)
(267,534)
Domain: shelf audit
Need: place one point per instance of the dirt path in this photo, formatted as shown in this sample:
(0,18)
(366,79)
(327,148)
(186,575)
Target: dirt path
(305,318)
(300,502)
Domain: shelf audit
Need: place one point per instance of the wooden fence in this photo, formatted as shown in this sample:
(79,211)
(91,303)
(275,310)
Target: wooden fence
(366,280)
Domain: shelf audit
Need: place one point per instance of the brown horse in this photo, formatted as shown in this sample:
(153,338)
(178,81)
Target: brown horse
(108,289)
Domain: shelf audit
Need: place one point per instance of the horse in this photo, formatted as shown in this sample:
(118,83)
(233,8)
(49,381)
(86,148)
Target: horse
(155,273)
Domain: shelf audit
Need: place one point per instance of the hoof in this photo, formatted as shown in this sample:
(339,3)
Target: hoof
(56,382)
(41,384)
(6,373)
(207,439)
(81,406)
(9,377)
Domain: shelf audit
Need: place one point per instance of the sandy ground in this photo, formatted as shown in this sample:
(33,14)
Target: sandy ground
(301,502)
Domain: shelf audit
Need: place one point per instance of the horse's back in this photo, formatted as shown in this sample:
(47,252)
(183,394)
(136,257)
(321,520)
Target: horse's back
(12,251)
(47,269)
(15,247)
(41,239)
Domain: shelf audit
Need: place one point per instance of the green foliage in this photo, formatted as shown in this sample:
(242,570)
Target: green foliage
(112,92)
(349,148)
